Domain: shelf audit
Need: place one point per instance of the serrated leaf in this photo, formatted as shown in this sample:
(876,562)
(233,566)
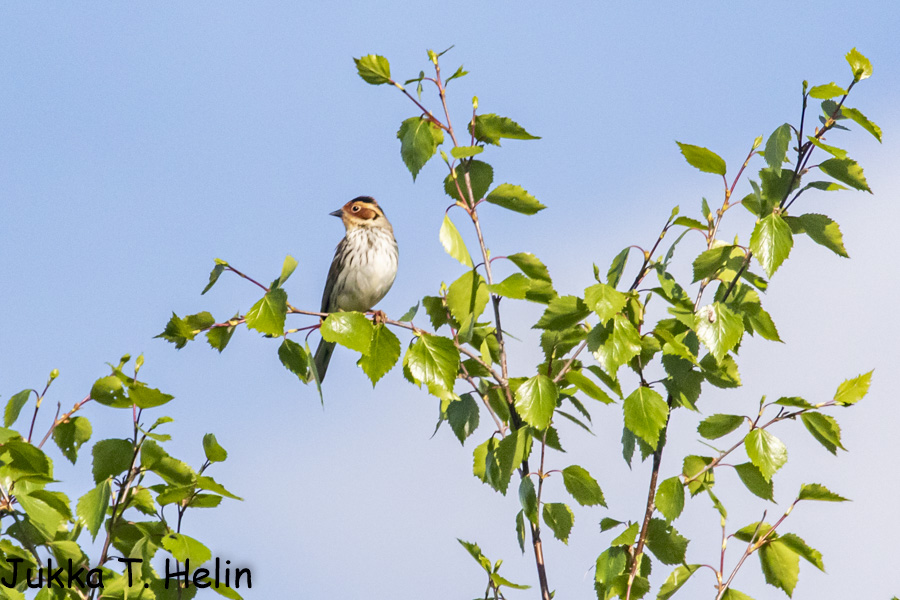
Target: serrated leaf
(675,580)
(646,414)
(463,415)
(755,482)
(559,518)
(777,146)
(562,313)
(692,465)
(823,231)
(666,543)
(515,286)
(817,491)
(373,69)
(433,360)
(383,353)
(617,267)
(465,151)
(91,508)
(826,91)
(859,64)
(722,374)
(862,121)
(147,397)
(520,530)
(824,429)
(583,383)
(492,128)
(846,170)
(419,138)
(614,344)
(536,401)
(184,548)
(267,315)
(14,407)
(715,426)
(205,482)
(294,358)
(349,329)
(530,265)
(481,175)
(703,159)
(514,198)
(467,298)
(217,270)
(213,451)
(722,262)
(832,150)
(732,594)
(793,401)
(475,552)
(795,543)
(718,328)
(45,510)
(605,301)
(218,337)
(853,390)
(110,391)
(453,243)
(70,436)
(111,457)
(771,242)
(780,565)
(582,486)
(528,499)
(766,451)
(670,498)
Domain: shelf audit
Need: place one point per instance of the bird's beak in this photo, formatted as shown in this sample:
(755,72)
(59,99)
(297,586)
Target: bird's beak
(336,213)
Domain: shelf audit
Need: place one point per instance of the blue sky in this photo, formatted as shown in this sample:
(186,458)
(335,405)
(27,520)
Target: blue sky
(139,142)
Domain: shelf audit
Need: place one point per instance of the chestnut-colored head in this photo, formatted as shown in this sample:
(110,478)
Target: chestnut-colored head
(362,211)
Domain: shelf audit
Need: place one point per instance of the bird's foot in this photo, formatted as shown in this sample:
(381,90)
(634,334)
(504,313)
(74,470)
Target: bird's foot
(379,317)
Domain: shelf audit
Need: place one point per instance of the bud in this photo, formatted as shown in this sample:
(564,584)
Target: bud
(474,102)
(757,142)
(54,374)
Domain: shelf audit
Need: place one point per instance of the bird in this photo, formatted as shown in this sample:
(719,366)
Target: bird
(363,269)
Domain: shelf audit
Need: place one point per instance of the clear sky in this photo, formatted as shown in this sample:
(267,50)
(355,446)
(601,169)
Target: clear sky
(139,141)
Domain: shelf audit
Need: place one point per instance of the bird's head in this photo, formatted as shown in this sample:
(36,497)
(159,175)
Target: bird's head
(362,212)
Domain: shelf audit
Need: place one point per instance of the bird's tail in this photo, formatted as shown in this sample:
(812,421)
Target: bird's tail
(323,357)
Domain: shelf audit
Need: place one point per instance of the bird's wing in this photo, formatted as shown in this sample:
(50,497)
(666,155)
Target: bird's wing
(336,266)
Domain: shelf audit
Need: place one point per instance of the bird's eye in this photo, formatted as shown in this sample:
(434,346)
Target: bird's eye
(356,209)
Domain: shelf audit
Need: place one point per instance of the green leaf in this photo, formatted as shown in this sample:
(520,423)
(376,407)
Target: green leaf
(826,91)
(14,407)
(294,358)
(846,170)
(617,267)
(514,198)
(218,337)
(433,360)
(586,385)
(606,523)
(492,128)
(862,121)
(675,580)
(777,146)
(218,269)
(184,548)
(536,401)
(703,159)
(147,397)
(627,537)
(718,328)
(453,243)
(722,262)
(722,374)
(419,138)
(382,355)
(817,491)
(559,519)
(605,301)
(582,486)
(715,426)
(111,457)
(755,482)
(349,329)
(109,391)
(463,416)
(70,436)
(691,467)
(267,315)
(614,344)
(795,543)
(824,429)
(794,402)
(45,510)
(826,186)
(208,483)
(666,543)
(213,451)
(520,530)
(562,313)
(610,565)
(465,151)
(859,64)
(780,565)
(732,594)
(771,242)
(670,498)
(481,175)
(475,552)
(467,298)
(823,231)
(853,390)
(530,265)
(528,499)
(373,69)
(91,508)
(515,286)
(646,414)
(766,451)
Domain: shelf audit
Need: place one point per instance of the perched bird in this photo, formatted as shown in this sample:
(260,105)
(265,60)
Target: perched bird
(363,268)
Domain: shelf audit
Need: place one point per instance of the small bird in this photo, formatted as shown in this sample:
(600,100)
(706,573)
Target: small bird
(363,268)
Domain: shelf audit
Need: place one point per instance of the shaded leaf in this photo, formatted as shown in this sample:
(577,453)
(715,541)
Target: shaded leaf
(559,518)
(463,416)
(715,426)
(481,175)
(666,543)
(419,138)
(294,358)
(755,482)
(562,313)
(824,429)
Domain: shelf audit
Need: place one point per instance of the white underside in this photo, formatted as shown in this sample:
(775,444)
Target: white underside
(366,275)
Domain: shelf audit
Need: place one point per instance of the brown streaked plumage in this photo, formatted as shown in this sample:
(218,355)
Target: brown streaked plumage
(363,268)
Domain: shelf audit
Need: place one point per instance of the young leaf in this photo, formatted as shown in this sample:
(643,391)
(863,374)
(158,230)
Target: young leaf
(384,351)
(780,565)
(846,170)
(267,315)
(467,297)
(605,301)
(465,151)
(559,519)
(691,467)
(515,286)
(718,328)
(536,401)
(492,128)
(703,159)
(755,482)
(853,390)
(582,486)
(528,499)
(218,337)
(211,448)
(826,91)
(433,360)
(111,457)
(147,397)
(530,265)
(771,242)
(419,138)
(514,198)
(795,543)
(824,429)
(646,414)
(290,263)
(777,146)
(586,385)
(817,491)
(614,344)
(562,313)
(373,69)
(14,407)
(453,243)
(859,64)
(766,451)
(349,329)
(862,121)
(184,548)
(733,594)
(218,269)
(670,498)
(617,267)
(715,426)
